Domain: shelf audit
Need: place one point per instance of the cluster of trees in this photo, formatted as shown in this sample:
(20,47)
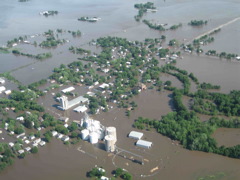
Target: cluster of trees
(197,22)
(7,156)
(174,27)
(209,86)
(75,33)
(206,39)
(95,172)
(119,172)
(51,41)
(21,101)
(142,8)
(41,56)
(154,26)
(96,102)
(221,55)
(186,127)
(76,50)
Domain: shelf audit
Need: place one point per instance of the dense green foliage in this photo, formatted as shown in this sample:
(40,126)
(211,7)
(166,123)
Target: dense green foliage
(154,26)
(142,8)
(6,156)
(197,22)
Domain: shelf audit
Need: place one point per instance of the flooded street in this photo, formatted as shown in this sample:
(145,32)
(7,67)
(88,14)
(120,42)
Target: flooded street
(166,159)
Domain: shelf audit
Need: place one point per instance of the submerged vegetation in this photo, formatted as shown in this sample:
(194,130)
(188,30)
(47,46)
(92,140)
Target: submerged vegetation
(197,22)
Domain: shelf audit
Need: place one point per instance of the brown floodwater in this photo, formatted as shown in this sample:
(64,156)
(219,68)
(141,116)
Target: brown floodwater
(227,136)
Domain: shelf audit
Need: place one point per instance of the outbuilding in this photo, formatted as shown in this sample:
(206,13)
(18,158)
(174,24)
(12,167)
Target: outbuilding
(135,135)
(144,144)
(80,109)
(69,89)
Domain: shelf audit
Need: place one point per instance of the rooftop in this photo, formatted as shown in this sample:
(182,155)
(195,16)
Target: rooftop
(135,135)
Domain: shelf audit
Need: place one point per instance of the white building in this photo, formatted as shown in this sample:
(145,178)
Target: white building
(2,88)
(2,81)
(135,135)
(144,144)
(69,89)
(80,109)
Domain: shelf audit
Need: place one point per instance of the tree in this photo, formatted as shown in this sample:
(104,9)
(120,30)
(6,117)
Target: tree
(34,150)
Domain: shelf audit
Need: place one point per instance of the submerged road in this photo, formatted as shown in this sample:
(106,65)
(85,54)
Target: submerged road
(221,26)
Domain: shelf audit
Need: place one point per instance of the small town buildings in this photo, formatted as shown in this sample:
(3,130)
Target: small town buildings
(135,135)
(104,178)
(144,144)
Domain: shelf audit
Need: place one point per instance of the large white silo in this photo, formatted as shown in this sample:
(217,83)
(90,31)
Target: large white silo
(93,137)
(110,143)
(111,131)
(85,134)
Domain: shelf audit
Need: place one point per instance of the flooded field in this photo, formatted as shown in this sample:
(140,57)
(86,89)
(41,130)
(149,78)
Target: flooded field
(166,159)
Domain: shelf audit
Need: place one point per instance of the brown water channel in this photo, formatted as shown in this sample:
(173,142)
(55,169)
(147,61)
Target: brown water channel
(58,161)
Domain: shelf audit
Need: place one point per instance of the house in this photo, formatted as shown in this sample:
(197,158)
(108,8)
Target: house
(11,144)
(104,178)
(20,118)
(7,92)
(64,119)
(28,149)
(54,133)
(144,144)
(27,141)
(135,135)
(2,81)
(37,141)
(103,86)
(42,143)
(2,88)
(65,138)
(21,151)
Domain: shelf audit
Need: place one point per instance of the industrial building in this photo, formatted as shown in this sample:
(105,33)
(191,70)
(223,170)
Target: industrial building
(65,104)
(144,144)
(135,135)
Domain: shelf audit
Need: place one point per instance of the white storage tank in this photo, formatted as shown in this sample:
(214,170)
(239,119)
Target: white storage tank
(100,133)
(93,137)
(110,143)
(96,124)
(85,134)
(112,131)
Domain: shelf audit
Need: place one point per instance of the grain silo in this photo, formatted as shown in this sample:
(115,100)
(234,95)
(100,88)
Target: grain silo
(93,137)
(110,143)
(111,131)
(85,134)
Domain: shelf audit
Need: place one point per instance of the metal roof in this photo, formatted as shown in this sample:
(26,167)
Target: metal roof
(145,144)
(135,135)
